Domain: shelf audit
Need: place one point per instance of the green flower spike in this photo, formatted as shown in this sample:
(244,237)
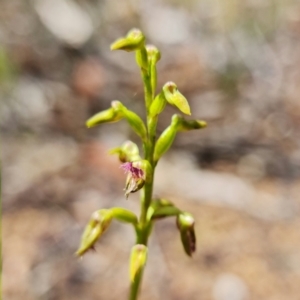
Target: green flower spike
(174,97)
(140,172)
(138,259)
(185,224)
(97,225)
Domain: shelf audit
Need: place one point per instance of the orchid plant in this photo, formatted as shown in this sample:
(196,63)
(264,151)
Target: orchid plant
(140,168)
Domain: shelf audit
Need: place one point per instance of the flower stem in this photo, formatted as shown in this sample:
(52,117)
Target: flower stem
(146,194)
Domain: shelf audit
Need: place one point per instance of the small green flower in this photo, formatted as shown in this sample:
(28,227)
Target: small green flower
(158,105)
(174,97)
(185,224)
(133,41)
(97,225)
(162,208)
(153,57)
(129,151)
(135,178)
(166,139)
(138,173)
(107,116)
(186,125)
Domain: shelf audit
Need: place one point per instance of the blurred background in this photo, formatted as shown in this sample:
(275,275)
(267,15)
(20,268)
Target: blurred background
(237,62)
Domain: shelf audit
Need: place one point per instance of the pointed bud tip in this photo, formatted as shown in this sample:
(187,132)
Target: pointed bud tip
(88,125)
(202,124)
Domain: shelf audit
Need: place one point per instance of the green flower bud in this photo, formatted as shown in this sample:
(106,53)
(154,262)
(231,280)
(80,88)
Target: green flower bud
(186,125)
(124,215)
(174,97)
(138,259)
(160,208)
(97,225)
(136,124)
(133,41)
(106,116)
(158,105)
(185,224)
(166,139)
(129,151)
(165,211)
(153,57)
(142,58)
(153,53)
(132,118)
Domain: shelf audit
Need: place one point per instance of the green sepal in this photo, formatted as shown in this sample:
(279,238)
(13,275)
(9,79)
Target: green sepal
(124,215)
(99,222)
(166,211)
(161,208)
(129,151)
(142,58)
(132,118)
(185,223)
(106,116)
(153,57)
(133,185)
(166,139)
(174,97)
(158,105)
(138,259)
(136,124)
(146,167)
(153,53)
(186,125)
(133,41)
